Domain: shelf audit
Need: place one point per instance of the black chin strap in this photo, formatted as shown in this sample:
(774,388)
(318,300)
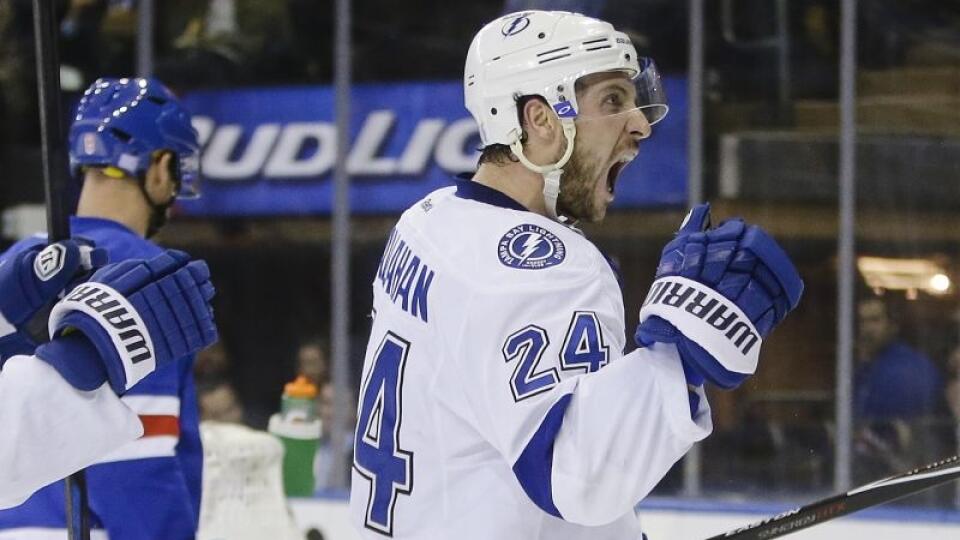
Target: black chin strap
(158,212)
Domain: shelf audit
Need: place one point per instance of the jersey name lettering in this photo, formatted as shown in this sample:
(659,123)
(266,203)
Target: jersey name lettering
(405,278)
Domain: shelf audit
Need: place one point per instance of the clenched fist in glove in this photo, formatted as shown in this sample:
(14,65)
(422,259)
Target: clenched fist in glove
(130,319)
(717,293)
(34,278)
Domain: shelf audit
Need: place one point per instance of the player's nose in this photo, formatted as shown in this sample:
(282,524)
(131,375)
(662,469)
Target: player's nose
(638,126)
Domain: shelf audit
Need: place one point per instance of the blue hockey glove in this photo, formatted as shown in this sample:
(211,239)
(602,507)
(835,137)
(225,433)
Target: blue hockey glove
(34,278)
(717,293)
(37,275)
(137,315)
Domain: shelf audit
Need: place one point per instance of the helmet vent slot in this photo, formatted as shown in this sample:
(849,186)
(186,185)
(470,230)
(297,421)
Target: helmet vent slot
(545,60)
(552,58)
(551,51)
(157,100)
(558,53)
(597,44)
(120,134)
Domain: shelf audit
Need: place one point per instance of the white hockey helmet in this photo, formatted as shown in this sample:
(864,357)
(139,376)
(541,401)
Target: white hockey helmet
(544,53)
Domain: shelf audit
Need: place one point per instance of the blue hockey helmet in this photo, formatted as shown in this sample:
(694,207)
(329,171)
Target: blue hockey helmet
(122,123)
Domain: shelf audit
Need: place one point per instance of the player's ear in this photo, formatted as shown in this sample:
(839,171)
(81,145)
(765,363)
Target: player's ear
(539,121)
(161,182)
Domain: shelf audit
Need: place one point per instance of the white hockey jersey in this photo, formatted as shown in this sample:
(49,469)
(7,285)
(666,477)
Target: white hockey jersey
(51,430)
(496,401)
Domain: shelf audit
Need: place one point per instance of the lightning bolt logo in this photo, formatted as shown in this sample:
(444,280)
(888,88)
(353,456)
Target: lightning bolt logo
(515,26)
(530,246)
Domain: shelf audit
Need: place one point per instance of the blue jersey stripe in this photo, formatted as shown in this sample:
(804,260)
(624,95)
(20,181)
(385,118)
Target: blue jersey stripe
(534,467)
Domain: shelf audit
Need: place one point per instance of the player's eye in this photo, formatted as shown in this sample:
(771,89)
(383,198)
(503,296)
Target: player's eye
(613,100)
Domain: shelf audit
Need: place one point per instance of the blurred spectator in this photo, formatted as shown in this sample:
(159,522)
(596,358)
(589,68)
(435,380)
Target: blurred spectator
(898,391)
(894,380)
(323,465)
(216,395)
(312,360)
(220,403)
(213,364)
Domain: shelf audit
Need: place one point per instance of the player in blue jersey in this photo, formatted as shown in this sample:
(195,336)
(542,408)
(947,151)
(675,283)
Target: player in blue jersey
(59,407)
(133,147)
(497,398)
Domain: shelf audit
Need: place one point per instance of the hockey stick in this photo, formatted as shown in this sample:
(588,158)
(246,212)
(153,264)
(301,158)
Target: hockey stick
(55,188)
(873,494)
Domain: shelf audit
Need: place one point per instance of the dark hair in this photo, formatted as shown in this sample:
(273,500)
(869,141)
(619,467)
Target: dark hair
(500,153)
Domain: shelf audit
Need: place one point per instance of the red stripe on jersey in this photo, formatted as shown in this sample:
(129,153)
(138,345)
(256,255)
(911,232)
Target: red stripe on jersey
(156,425)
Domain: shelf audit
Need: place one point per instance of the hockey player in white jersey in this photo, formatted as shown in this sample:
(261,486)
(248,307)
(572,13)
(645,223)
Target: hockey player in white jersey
(60,408)
(496,399)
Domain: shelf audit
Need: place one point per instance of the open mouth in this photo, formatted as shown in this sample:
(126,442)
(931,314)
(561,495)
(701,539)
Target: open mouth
(614,172)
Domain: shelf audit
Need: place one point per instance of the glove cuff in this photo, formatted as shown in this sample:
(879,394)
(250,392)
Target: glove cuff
(655,330)
(76,360)
(114,327)
(699,365)
(708,319)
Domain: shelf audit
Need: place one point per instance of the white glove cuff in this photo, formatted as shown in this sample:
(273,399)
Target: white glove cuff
(707,318)
(119,320)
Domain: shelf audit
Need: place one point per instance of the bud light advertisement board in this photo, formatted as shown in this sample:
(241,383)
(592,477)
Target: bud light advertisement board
(271,151)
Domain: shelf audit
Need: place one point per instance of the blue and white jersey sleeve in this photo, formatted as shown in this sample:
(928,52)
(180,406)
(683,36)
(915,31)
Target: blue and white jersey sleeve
(587,431)
(50,429)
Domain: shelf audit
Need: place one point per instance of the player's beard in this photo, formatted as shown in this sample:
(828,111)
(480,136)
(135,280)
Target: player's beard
(577,188)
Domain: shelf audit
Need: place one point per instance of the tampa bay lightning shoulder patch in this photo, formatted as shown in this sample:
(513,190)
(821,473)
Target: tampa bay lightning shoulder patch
(530,247)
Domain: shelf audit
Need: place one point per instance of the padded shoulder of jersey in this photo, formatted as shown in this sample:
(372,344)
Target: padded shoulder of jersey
(496,248)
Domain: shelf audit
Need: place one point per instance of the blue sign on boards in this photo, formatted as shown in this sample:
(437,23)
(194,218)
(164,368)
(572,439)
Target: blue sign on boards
(271,151)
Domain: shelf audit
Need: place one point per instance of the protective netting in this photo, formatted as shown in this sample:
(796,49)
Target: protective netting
(242,486)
